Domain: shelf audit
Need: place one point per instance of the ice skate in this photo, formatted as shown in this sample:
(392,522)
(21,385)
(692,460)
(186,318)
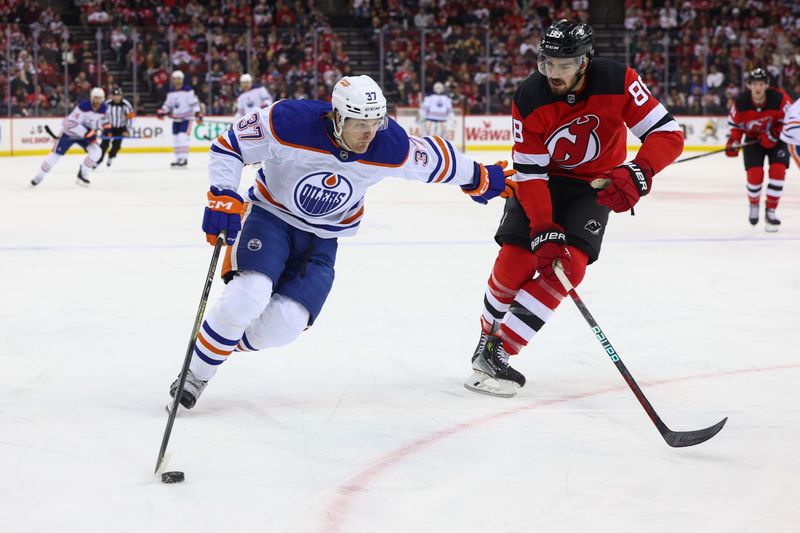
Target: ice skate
(491,372)
(178,164)
(36,181)
(192,389)
(108,163)
(772,220)
(82,181)
(753,214)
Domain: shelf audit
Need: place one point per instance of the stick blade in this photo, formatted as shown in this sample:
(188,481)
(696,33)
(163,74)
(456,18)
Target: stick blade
(681,439)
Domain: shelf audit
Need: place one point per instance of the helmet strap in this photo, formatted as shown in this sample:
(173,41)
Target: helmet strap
(338,127)
(581,73)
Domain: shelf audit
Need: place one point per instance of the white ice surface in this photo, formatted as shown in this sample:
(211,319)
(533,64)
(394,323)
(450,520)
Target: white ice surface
(363,424)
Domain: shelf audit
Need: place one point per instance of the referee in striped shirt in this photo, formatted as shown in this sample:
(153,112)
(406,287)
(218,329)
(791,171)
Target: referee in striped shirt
(120,118)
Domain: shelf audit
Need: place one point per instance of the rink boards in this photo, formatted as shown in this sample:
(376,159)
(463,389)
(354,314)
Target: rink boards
(27,136)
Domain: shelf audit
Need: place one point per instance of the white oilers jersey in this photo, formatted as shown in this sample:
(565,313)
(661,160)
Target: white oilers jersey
(251,101)
(790,134)
(181,104)
(83,119)
(438,107)
(310,182)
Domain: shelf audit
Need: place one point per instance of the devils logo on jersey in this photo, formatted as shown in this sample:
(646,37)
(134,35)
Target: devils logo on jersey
(575,143)
(322,193)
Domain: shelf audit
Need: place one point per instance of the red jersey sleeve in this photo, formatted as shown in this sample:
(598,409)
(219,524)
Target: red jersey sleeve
(735,123)
(530,157)
(649,120)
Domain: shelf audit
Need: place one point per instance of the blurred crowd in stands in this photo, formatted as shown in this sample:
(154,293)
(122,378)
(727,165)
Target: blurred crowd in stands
(691,54)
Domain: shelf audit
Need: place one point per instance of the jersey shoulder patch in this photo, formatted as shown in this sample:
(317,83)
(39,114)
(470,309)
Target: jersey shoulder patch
(743,101)
(532,94)
(300,123)
(774,98)
(389,148)
(606,76)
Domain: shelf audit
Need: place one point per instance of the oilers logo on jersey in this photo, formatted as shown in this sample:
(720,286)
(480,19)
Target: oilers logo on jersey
(575,143)
(322,193)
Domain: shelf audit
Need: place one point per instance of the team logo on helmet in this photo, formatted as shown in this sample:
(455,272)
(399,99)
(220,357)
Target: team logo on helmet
(322,193)
(575,143)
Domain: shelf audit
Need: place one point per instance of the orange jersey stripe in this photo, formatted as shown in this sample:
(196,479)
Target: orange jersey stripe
(446,153)
(224,142)
(354,217)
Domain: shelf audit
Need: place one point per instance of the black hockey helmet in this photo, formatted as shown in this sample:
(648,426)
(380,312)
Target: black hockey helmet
(568,39)
(758,74)
(116,92)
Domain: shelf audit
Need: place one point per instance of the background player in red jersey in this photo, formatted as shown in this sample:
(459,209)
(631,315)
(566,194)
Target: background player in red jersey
(757,115)
(570,123)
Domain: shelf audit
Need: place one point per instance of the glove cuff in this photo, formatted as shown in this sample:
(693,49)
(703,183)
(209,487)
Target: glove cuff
(542,234)
(479,182)
(641,178)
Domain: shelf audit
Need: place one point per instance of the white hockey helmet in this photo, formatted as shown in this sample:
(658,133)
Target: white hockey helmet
(438,87)
(177,74)
(360,98)
(245,78)
(97,92)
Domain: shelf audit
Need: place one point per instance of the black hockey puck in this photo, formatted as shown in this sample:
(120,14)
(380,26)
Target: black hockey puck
(172,477)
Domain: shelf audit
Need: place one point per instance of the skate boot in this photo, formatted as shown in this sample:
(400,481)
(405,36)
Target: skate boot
(108,163)
(772,220)
(491,372)
(36,181)
(192,389)
(753,214)
(179,163)
(83,181)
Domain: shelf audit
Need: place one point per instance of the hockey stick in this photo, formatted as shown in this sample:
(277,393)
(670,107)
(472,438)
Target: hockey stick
(676,439)
(748,143)
(185,370)
(50,132)
(54,136)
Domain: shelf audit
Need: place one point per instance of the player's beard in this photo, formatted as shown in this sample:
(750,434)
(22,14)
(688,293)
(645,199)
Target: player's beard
(560,86)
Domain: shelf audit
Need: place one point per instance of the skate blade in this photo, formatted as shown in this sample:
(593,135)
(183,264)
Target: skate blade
(486,384)
(771,228)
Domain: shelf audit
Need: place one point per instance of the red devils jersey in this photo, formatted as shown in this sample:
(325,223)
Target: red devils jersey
(582,135)
(750,120)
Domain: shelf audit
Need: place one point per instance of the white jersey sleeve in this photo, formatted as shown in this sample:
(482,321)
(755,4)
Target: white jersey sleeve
(790,134)
(246,143)
(435,160)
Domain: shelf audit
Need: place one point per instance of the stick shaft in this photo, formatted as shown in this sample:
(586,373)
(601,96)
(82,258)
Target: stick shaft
(212,268)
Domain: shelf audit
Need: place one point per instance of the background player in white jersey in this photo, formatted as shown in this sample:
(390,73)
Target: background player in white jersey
(317,161)
(790,134)
(79,127)
(436,111)
(181,105)
(251,98)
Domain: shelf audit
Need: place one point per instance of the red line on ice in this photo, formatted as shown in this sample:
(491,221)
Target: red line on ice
(335,515)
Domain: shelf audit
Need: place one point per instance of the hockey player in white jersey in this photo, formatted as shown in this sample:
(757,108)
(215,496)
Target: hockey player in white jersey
(79,127)
(790,133)
(182,106)
(436,111)
(317,160)
(251,98)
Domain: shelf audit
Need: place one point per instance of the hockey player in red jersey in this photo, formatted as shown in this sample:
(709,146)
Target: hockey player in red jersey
(757,115)
(569,126)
